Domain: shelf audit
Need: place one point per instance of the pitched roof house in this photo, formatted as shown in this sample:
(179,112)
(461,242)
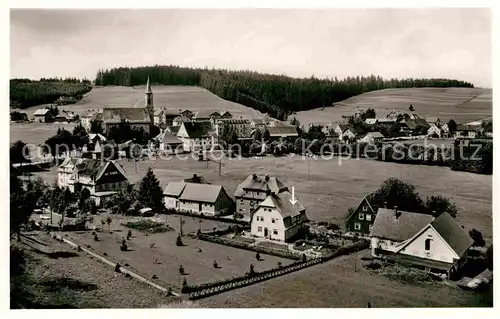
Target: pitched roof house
(254,189)
(420,240)
(198,198)
(276,218)
(362,217)
(283,131)
(196,135)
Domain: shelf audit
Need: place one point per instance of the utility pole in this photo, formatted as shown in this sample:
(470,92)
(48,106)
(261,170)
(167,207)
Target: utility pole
(180,225)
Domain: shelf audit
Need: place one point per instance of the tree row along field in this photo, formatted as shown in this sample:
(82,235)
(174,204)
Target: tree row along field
(277,95)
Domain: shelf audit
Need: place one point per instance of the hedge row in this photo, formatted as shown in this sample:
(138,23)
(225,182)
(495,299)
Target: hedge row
(246,246)
(202,216)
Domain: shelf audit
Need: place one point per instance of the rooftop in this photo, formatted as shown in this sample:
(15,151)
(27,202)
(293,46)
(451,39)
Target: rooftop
(399,227)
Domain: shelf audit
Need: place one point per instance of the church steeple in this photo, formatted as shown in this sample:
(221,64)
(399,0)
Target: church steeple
(148,87)
(148,101)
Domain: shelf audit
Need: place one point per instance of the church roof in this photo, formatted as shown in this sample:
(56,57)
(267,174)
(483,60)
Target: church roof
(111,114)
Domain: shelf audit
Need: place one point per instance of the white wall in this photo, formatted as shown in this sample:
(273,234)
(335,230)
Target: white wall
(268,223)
(439,250)
(383,244)
(170,202)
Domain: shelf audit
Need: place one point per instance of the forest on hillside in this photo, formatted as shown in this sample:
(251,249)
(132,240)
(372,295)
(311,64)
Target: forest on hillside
(25,92)
(277,95)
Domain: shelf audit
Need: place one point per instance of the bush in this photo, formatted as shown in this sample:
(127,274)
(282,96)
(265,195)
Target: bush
(181,270)
(117,268)
(215,264)
(123,246)
(251,271)
(96,238)
(257,256)
(129,234)
(184,285)
(178,241)
(279,264)
(148,226)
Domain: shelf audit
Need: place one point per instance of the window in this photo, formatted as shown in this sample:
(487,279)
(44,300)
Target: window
(275,232)
(428,244)
(357,226)
(273,220)
(368,217)
(259,229)
(365,208)
(361,216)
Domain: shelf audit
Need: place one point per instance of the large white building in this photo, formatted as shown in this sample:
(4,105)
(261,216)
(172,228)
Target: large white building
(276,218)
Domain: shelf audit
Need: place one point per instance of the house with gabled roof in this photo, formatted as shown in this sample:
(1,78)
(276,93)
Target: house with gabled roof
(442,245)
(226,115)
(254,189)
(362,217)
(206,199)
(282,131)
(103,179)
(43,116)
(168,142)
(196,136)
(277,218)
(372,138)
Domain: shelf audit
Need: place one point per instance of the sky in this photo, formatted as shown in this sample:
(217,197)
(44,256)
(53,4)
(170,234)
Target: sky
(447,42)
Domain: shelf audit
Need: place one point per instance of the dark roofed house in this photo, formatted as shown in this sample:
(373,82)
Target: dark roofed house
(439,244)
(198,198)
(254,189)
(277,218)
(362,217)
(65,100)
(43,116)
(137,117)
(282,131)
(196,136)
(178,120)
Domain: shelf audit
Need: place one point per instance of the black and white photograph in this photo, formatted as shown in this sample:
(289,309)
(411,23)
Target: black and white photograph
(250,158)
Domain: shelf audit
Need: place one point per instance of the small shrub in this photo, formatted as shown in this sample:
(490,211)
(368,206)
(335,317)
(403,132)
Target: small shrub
(105,254)
(181,270)
(184,285)
(198,232)
(117,268)
(129,234)
(126,264)
(251,271)
(169,291)
(304,257)
(154,277)
(93,233)
(215,264)
(78,248)
(279,264)
(257,256)
(152,245)
(96,238)
(178,241)
(123,246)
(127,275)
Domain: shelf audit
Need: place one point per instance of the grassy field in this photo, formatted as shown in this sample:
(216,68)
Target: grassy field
(328,189)
(89,283)
(461,104)
(165,258)
(343,282)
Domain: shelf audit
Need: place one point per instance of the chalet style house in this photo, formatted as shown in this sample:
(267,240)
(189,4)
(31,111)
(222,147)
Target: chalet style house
(362,218)
(253,190)
(419,240)
(198,198)
(196,136)
(102,179)
(276,218)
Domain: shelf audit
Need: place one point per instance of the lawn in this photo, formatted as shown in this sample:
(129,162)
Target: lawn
(165,257)
(330,189)
(342,282)
(77,281)
(461,104)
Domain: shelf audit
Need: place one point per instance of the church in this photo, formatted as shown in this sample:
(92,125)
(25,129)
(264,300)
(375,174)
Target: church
(137,117)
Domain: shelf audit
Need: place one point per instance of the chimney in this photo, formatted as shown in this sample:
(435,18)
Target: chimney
(254,176)
(267,178)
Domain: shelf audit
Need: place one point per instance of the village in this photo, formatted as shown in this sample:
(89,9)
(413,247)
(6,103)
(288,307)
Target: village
(140,227)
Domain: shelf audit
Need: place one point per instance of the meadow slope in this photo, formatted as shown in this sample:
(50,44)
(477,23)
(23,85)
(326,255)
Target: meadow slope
(461,104)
